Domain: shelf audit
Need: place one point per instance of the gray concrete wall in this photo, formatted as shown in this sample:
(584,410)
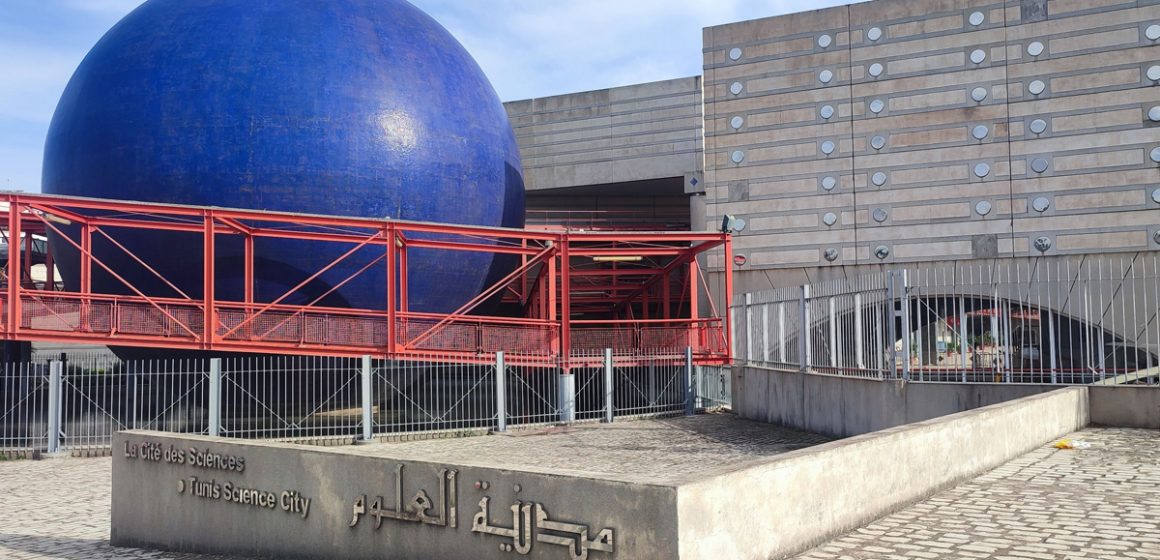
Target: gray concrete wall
(805,497)
(844,406)
(1126,406)
(631,133)
(154,505)
(777,89)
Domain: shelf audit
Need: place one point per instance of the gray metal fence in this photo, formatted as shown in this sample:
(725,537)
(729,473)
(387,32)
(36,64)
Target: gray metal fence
(1073,320)
(76,405)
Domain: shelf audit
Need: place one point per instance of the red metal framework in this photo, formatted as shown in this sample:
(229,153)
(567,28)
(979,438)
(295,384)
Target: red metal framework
(572,293)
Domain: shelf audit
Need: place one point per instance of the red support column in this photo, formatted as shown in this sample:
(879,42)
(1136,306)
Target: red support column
(565,304)
(550,288)
(403,298)
(14,267)
(86,276)
(209,334)
(248,273)
(392,294)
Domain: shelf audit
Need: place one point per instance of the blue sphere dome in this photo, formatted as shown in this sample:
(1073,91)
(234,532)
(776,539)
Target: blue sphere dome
(363,108)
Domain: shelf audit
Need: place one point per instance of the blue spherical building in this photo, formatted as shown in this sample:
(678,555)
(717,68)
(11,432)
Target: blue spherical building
(356,107)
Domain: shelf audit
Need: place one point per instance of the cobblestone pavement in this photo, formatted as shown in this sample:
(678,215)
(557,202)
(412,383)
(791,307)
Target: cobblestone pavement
(59,509)
(1097,503)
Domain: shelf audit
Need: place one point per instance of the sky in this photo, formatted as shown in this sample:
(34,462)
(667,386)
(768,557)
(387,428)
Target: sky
(527,48)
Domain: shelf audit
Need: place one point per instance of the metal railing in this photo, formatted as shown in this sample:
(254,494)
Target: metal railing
(76,405)
(1066,320)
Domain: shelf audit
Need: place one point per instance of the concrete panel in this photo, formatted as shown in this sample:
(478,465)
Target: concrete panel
(633,133)
(845,406)
(291,501)
(1127,406)
(784,506)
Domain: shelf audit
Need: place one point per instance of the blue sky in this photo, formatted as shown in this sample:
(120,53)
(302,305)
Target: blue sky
(528,48)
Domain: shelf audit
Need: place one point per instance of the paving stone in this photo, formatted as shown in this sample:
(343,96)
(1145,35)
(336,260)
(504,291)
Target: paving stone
(1050,504)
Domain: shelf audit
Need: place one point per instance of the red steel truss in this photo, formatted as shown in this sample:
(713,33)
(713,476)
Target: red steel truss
(571,295)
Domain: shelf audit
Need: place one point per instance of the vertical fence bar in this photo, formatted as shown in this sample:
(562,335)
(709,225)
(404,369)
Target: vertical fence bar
(368,400)
(215,396)
(804,333)
(781,338)
(55,371)
(765,333)
(608,386)
(748,311)
(500,393)
(905,301)
(690,392)
(963,344)
(859,359)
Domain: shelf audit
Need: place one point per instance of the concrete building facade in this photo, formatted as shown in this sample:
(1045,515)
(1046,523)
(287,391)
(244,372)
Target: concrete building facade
(892,131)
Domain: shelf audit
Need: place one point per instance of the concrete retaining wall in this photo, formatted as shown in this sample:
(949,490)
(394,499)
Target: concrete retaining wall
(808,496)
(844,406)
(166,500)
(1125,406)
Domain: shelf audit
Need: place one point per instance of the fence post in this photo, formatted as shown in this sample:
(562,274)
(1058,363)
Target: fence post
(500,393)
(804,333)
(567,397)
(748,327)
(368,400)
(55,375)
(905,297)
(215,396)
(690,389)
(609,385)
